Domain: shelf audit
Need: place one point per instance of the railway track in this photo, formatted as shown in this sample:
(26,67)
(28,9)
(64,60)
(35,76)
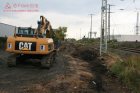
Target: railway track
(134,50)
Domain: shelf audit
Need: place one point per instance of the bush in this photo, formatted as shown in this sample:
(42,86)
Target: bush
(128,72)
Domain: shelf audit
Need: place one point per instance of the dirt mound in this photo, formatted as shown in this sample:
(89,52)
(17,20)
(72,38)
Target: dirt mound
(86,53)
(68,48)
(91,56)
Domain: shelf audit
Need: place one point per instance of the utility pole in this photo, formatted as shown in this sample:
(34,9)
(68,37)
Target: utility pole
(137,24)
(90,33)
(109,12)
(104,35)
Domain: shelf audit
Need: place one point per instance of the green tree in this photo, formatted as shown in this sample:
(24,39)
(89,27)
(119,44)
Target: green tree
(61,33)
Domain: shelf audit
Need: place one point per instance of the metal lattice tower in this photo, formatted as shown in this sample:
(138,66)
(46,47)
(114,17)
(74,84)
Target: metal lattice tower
(104,36)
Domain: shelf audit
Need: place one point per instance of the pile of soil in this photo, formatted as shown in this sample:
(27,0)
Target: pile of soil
(86,53)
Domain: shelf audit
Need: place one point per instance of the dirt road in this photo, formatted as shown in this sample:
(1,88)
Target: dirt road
(19,79)
(71,73)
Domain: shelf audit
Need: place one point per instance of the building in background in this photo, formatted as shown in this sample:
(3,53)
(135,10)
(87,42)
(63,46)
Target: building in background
(123,38)
(6,30)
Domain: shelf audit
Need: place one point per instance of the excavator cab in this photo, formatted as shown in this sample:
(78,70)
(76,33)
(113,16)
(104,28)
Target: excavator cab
(25,32)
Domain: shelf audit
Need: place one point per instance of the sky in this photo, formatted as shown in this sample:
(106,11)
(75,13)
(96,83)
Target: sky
(73,14)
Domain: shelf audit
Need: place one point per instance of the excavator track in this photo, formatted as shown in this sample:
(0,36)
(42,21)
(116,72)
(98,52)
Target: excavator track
(48,60)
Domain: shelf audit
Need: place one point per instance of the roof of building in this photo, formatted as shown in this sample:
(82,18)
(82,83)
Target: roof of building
(7,24)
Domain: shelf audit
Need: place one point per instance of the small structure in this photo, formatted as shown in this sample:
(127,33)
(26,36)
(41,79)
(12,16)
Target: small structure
(6,30)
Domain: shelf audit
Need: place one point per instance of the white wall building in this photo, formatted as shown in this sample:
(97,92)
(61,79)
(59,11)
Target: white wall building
(122,38)
(6,30)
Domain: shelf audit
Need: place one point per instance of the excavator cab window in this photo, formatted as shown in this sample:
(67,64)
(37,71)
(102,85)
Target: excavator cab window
(25,32)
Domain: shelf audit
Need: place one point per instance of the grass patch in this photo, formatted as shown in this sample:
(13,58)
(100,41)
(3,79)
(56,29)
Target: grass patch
(89,42)
(128,71)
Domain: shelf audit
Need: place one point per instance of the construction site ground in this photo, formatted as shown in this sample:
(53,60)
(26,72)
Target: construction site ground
(78,69)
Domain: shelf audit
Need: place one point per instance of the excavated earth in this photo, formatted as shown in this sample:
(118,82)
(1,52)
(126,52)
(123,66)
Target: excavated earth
(78,69)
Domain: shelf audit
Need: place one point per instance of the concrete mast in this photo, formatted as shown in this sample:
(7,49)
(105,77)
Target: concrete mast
(104,35)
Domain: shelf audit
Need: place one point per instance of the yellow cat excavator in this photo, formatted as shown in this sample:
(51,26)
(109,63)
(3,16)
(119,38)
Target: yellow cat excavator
(29,43)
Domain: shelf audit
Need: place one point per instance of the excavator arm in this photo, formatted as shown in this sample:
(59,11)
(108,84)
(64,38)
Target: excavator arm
(44,26)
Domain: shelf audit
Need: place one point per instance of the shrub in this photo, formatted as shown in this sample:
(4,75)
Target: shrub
(128,72)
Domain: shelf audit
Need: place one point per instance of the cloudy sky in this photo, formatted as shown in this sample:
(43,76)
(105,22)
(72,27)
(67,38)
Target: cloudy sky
(73,14)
